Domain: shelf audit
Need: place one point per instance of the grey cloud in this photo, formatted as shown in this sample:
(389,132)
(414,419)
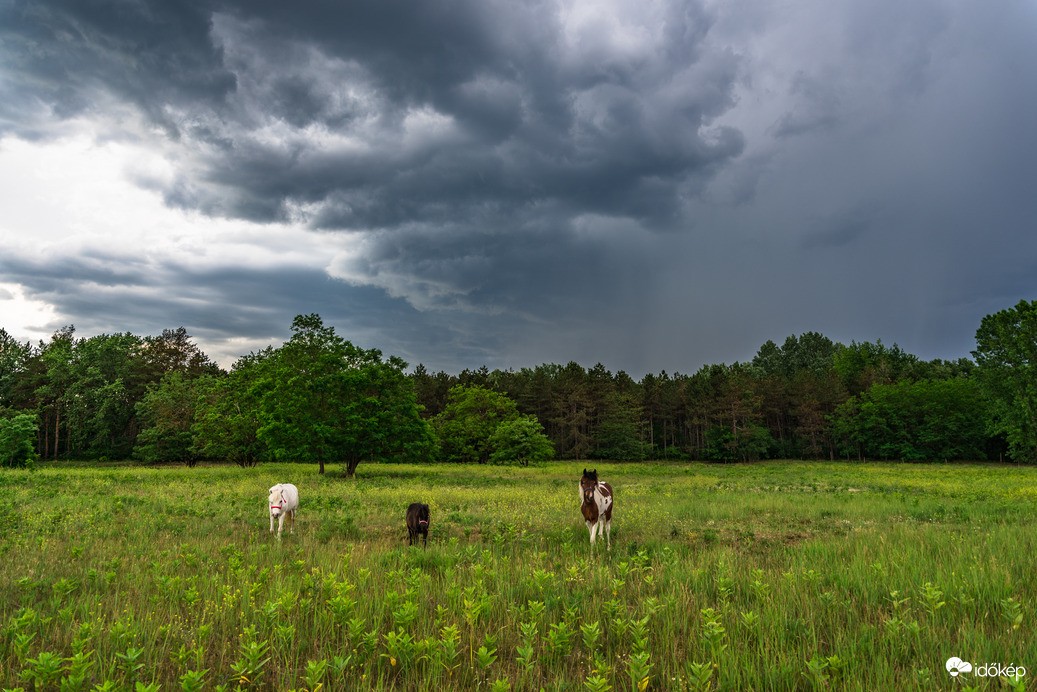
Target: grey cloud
(817,108)
(150,53)
(652,186)
(525,117)
(840,230)
(232,310)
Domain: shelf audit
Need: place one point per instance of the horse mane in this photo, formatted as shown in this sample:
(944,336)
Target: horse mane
(591,475)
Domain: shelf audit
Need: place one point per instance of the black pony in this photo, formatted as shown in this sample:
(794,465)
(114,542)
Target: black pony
(418,519)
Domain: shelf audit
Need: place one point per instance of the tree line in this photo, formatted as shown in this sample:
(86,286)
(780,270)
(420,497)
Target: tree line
(319,398)
(809,398)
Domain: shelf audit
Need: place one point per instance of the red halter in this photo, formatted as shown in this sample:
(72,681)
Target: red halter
(280,506)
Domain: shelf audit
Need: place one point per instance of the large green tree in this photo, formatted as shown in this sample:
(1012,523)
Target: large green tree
(1006,360)
(323,399)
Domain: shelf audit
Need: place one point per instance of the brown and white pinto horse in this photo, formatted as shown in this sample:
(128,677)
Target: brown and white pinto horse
(596,498)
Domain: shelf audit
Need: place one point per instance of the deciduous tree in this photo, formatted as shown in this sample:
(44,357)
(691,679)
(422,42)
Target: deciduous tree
(1006,359)
(469,420)
(18,440)
(520,440)
(323,399)
(930,420)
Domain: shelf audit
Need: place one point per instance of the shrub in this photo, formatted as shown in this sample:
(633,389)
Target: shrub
(18,440)
(521,440)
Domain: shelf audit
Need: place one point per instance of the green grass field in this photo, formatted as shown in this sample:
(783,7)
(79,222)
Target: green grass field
(769,576)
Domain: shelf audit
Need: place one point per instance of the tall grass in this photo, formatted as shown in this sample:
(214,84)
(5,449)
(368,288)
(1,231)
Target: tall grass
(774,576)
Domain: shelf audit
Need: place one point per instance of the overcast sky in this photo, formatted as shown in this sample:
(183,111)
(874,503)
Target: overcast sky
(649,185)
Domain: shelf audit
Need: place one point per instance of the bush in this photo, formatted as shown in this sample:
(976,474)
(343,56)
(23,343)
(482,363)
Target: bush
(469,422)
(18,440)
(520,441)
(927,420)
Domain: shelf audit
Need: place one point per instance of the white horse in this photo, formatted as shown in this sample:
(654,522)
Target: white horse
(284,500)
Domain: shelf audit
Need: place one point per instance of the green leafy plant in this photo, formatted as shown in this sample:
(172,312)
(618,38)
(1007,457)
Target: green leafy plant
(44,670)
(193,680)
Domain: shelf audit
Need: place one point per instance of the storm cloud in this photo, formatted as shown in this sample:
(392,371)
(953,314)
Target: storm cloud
(652,185)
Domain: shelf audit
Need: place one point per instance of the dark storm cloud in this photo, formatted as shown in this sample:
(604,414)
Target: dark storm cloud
(646,184)
(517,113)
(63,55)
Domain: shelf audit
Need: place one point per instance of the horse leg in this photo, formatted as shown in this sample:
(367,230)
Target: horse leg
(291,522)
(280,525)
(592,528)
(608,533)
(271,523)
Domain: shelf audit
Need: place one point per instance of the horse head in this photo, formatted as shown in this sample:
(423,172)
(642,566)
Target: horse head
(588,484)
(276,500)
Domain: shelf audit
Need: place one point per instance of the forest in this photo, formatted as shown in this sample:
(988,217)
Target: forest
(320,399)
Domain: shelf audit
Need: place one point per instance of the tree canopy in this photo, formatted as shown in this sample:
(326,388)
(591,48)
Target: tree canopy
(1006,360)
(468,421)
(318,398)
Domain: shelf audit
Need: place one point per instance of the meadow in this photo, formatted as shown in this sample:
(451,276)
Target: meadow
(767,576)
